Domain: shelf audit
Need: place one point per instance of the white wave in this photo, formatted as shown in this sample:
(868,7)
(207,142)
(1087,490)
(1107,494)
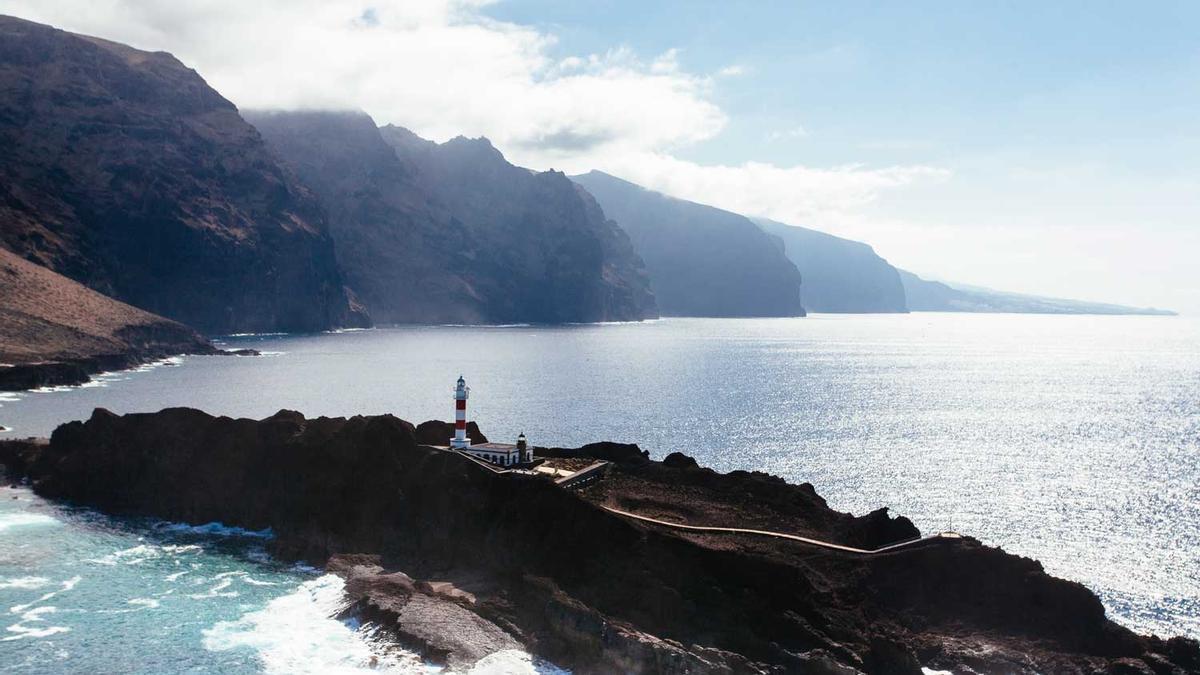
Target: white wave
(148,603)
(10,521)
(217,591)
(144,552)
(66,586)
(295,634)
(176,575)
(216,529)
(33,616)
(24,583)
(514,662)
(244,577)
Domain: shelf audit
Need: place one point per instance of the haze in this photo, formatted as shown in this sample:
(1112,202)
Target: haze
(1048,150)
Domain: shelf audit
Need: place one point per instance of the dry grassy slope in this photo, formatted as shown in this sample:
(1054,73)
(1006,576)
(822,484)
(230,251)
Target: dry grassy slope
(45,316)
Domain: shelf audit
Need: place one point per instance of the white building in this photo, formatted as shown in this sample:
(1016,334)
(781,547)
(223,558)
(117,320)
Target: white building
(500,454)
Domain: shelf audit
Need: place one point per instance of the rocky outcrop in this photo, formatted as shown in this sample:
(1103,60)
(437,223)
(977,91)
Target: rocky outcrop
(840,275)
(935,296)
(123,170)
(512,558)
(702,261)
(453,233)
(54,331)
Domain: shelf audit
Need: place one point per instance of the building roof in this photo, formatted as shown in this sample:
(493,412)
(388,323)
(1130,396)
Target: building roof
(494,447)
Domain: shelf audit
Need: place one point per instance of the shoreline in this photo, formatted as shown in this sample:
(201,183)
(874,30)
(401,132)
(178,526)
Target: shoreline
(416,530)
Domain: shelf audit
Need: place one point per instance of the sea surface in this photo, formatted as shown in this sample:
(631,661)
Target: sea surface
(1073,440)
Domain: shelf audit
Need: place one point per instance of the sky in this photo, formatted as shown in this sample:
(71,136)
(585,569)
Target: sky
(1048,148)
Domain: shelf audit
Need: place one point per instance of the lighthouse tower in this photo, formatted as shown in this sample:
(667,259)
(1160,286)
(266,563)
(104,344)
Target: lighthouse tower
(461,392)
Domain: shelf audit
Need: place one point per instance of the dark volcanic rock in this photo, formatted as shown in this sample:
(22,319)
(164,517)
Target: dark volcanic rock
(552,570)
(840,275)
(607,451)
(437,432)
(123,170)
(702,261)
(453,233)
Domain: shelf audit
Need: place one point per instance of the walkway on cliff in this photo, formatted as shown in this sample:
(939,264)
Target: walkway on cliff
(782,535)
(596,469)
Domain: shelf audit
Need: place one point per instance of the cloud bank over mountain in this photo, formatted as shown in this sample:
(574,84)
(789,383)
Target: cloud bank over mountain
(444,68)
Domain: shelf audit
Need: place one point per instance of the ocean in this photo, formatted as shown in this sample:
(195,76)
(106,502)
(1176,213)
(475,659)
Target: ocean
(1074,440)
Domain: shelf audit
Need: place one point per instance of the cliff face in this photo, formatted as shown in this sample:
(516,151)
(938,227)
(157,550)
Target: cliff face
(125,171)
(54,331)
(702,261)
(518,559)
(453,233)
(840,275)
(935,296)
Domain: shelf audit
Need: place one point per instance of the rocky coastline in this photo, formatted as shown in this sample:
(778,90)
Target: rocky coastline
(457,561)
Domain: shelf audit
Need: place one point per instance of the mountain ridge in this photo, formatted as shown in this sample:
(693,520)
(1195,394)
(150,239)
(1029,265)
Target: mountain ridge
(702,261)
(126,172)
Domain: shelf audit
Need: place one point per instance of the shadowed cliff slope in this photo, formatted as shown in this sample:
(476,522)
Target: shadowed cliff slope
(122,169)
(453,233)
(588,588)
(702,261)
(55,331)
(840,275)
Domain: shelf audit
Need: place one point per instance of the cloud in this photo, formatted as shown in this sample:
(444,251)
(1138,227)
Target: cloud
(440,67)
(793,194)
(444,68)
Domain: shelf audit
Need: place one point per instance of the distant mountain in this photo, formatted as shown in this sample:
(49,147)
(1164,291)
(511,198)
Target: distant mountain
(56,331)
(702,261)
(453,233)
(124,170)
(935,296)
(840,275)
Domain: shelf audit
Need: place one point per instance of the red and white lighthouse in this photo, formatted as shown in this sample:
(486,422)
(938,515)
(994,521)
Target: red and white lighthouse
(461,392)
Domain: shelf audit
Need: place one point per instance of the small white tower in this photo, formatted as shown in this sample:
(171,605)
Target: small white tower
(523,453)
(461,392)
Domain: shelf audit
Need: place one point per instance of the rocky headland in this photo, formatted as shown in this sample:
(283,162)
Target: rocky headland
(54,331)
(457,560)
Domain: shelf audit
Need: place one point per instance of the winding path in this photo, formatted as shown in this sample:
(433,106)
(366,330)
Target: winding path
(782,535)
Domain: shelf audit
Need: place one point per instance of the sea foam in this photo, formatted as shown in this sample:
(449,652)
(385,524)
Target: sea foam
(295,633)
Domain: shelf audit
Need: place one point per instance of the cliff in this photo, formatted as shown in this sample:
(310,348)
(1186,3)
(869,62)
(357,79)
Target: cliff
(935,296)
(54,331)
(500,559)
(123,170)
(702,261)
(840,275)
(453,233)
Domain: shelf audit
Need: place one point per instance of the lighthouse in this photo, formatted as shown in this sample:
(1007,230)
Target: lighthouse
(461,392)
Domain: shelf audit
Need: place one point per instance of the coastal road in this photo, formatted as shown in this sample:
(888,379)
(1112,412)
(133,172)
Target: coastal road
(783,535)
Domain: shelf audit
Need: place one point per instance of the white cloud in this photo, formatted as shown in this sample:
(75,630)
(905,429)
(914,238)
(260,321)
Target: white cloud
(443,68)
(793,194)
(439,67)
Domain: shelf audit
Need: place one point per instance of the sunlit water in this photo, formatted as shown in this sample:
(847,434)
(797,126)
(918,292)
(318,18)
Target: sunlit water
(1073,440)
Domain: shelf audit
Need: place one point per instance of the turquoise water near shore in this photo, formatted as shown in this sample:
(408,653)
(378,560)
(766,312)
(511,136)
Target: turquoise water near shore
(1073,440)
